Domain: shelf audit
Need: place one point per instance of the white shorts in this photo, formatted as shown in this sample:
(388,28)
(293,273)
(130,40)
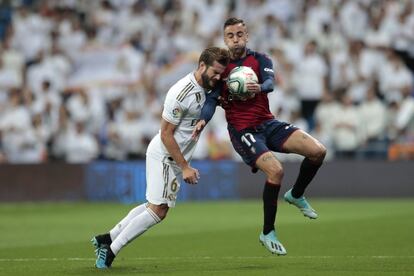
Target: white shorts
(162,182)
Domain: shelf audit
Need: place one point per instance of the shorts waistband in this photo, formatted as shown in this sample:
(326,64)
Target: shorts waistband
(256,128)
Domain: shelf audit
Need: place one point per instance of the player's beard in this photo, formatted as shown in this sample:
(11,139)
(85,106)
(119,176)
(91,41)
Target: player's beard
(207,82)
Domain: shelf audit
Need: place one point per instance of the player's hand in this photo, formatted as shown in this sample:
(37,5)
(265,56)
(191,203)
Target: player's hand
(191,175)
(223,102)
(198,129)
(253,87)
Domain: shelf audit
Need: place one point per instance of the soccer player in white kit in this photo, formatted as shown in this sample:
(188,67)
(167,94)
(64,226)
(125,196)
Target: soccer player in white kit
(168,155)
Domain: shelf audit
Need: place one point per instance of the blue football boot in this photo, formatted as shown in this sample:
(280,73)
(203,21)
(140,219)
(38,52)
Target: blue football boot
(105,257)
(302,204)
(272,244)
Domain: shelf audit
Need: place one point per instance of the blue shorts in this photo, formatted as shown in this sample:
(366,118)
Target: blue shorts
(251,143)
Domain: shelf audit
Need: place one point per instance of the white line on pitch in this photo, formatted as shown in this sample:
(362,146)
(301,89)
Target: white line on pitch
(200,258)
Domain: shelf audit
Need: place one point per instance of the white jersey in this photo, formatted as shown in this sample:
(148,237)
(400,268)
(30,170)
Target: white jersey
(182,107)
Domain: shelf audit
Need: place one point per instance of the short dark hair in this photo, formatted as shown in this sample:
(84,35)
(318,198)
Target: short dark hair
(212,54)
(233,21)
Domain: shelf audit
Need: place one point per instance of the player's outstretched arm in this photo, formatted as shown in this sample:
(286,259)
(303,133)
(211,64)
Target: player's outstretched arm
(207,112)
(209,107)
(190,175)
(198,129)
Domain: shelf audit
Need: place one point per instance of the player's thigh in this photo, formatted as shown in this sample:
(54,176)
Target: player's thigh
(304,144)
(249,145)
(162,182)
(277,132)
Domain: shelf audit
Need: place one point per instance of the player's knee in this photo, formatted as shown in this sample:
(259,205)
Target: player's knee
(160,210)
(162,214)
(318,155)
(275,174)
(322,152)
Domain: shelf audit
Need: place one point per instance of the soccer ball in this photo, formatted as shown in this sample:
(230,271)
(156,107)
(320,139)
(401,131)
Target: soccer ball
(237,80)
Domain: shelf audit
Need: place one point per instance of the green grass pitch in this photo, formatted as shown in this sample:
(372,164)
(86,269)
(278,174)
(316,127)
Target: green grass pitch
(351,237)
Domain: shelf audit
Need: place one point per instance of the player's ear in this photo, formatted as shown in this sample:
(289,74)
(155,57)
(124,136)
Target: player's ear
(202,67)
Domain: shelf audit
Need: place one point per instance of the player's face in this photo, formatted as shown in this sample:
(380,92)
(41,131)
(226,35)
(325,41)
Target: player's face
(236,38)
(211,75)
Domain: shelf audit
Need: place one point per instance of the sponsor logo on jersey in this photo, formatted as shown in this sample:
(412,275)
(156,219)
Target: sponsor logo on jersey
(268,70)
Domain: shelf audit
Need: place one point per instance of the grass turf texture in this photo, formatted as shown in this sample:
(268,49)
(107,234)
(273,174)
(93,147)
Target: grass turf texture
(351,237)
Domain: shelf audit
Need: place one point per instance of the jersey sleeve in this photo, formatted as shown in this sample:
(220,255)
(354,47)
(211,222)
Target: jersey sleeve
(173,111)
(209,107)
(267,73)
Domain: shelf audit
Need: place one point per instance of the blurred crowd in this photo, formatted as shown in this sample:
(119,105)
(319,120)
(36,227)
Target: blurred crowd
(85,80)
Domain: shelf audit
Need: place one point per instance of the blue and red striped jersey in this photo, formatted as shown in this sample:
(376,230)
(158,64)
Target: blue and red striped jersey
(249,113)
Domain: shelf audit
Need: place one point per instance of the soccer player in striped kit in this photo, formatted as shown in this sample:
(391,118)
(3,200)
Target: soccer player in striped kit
(255,133)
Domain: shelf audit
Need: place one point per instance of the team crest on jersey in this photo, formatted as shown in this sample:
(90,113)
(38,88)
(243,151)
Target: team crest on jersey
(177,112)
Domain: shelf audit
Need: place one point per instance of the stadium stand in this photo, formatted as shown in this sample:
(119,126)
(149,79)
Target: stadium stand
(84,80)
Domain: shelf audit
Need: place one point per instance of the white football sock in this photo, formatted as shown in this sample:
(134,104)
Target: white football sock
(136,227)
(126,220)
